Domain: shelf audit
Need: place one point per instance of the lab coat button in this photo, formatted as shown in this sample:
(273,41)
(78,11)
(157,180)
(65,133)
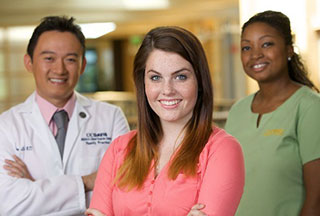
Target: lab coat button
(82,115)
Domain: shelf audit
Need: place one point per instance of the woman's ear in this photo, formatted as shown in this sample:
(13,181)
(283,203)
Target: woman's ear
(290,51)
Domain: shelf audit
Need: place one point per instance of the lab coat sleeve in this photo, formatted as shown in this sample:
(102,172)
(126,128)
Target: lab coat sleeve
(59,195)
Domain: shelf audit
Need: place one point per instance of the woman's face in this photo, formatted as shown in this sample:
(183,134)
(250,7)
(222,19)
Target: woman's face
(264,54)
(171,86)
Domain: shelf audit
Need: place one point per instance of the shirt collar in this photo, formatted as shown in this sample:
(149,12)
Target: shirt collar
(47,109)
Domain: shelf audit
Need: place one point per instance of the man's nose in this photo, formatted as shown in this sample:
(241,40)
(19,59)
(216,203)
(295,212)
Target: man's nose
(59,67)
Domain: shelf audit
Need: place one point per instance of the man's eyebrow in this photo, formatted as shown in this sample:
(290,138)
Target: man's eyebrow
(73,54)
(52,52)
(47,52)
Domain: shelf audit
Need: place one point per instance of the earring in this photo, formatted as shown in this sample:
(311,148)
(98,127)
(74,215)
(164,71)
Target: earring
(289,58)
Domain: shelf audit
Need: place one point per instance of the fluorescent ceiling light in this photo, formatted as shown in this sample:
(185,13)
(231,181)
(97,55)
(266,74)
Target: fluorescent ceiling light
(95,30)
(90,30)
(145,4)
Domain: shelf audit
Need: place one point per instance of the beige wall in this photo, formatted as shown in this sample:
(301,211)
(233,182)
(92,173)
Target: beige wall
(15,82)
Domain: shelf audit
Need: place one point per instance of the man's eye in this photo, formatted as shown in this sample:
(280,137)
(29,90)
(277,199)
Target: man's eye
(48,58)
(71,60)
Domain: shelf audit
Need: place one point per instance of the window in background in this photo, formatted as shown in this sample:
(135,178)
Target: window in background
(106,77)
(88,80)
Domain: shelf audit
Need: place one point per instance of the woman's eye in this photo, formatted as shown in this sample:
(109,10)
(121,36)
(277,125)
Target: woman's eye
(155,78)
(267,44)
(245,48)
(181,77)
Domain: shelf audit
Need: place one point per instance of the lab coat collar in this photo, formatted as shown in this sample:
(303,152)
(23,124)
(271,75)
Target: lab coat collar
(77,121)
(79,118)
(30,102)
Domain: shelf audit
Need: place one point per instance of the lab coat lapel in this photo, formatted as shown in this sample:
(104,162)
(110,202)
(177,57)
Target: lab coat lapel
(76,124)
(49,148)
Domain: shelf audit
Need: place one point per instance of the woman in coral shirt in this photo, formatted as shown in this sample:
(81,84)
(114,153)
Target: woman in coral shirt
(176,162)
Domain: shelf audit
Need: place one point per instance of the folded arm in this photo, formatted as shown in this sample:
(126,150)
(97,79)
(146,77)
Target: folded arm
(223,180)
(23,195)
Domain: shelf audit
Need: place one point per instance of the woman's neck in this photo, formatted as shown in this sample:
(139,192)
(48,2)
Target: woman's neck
(272,95)
(173,135)
(269,91)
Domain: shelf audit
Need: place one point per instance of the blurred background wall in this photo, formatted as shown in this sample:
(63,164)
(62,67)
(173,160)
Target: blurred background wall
(108,75)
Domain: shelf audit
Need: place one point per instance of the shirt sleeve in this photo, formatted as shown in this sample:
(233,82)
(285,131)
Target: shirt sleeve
(102,192)
(308,132)
(59,195)
(223,180)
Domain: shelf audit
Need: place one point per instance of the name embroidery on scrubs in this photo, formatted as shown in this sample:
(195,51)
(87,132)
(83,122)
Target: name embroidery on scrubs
(96,138)
(274,132)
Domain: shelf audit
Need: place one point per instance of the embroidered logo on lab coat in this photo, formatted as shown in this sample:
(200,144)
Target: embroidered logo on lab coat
(96,138)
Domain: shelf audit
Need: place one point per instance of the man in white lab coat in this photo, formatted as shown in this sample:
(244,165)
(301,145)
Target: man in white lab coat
(38,177)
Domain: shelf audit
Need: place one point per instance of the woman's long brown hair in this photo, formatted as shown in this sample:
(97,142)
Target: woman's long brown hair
(143,148)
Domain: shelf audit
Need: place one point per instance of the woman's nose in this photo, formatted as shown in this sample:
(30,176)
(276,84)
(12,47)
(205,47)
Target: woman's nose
(256,53)
(168,87)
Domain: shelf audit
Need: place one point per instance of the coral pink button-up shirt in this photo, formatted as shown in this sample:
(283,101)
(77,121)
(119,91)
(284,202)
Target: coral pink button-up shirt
(219,183)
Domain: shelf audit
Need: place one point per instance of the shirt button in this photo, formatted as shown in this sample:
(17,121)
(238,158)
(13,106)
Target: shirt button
(150,192)
(149,204)
(152,181)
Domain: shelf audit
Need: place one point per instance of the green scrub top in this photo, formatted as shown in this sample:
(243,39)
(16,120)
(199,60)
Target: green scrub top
(276,151)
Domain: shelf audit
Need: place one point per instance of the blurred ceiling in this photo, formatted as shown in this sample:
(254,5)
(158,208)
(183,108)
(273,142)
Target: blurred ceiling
(29,12)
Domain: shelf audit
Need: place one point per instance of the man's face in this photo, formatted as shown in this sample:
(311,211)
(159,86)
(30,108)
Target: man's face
(56,65)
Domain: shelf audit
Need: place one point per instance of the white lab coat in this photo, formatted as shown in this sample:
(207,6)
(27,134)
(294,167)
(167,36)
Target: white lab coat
(58,188)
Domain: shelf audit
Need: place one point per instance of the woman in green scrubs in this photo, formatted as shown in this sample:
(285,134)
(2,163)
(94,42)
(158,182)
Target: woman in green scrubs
(278,127)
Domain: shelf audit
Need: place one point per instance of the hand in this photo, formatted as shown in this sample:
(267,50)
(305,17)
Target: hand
(93,212)
(195,210)
(88,181)
(17,168)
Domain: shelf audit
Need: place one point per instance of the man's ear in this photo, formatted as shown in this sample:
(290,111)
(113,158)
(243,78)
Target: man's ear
(28,62)
(83,66)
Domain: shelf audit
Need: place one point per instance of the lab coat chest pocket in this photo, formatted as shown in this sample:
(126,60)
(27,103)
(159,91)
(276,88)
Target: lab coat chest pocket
(91,152)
